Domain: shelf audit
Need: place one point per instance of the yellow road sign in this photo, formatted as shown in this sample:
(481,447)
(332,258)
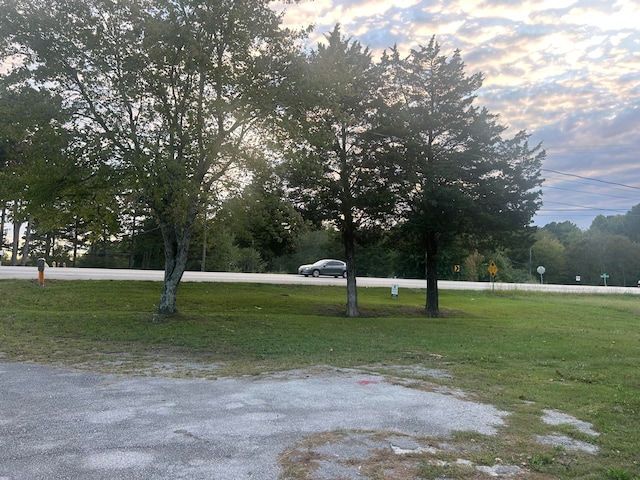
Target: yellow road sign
(493,269)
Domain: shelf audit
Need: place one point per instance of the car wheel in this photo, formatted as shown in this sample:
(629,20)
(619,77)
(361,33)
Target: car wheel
(316,273)
(344,274)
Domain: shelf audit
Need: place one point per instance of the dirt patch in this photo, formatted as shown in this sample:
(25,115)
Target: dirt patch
(377,455)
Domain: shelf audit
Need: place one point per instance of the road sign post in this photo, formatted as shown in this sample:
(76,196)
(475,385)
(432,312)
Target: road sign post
(493,271)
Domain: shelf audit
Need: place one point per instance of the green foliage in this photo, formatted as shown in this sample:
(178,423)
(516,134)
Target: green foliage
(617,474)
(539,461)
(609,246)
(171,96)
(426,470)
(179,99)
(459,176)
(311,246)
(261,218)
(569,251)
(180,92)
(563,231)
(549,252)
(334,173)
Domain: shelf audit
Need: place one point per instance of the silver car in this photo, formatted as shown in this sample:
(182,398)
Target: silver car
(328,266)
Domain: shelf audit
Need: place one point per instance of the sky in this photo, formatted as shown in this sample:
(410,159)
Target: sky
(566,71)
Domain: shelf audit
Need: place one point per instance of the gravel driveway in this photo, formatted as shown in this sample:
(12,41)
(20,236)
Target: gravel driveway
(66,424)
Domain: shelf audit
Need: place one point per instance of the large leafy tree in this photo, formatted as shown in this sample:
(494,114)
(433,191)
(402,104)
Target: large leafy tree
(460,177)
(168,93)
(550,253)
(262,218)
(334,173)
(35,170)
(595,253)
(627,224)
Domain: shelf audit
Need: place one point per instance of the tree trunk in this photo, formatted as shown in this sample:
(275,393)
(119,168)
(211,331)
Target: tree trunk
(176,249)
(203,260)
(2,222)
(49,246)
(132,245)
(75,243)
(432,308)
(350,258)
(27,243)
(15,243)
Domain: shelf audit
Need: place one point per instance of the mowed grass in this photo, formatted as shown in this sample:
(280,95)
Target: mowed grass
(522,352)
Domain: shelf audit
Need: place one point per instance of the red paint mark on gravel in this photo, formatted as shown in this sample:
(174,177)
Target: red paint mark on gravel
(366,382)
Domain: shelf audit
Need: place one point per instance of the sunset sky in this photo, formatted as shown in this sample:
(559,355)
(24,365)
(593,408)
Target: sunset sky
(567,71)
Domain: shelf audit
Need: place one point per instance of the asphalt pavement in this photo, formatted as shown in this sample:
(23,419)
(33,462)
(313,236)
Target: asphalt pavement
(59,423)
(69,273)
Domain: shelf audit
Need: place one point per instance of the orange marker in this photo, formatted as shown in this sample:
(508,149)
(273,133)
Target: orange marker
(41,264)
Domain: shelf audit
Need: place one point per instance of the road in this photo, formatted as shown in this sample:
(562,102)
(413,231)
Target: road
(7,272)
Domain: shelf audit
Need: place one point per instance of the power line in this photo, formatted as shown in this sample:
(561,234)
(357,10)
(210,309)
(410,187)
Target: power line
(590,179)
(598,147)
(586,207)
(586,192)
(581,210)
(590,146)
(593,188)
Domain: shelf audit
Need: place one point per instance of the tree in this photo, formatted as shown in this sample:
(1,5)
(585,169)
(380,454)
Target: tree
(550,253)
(563,231)
(460,177)
(596,253)
(614,224)
(35,170)
(262,218)
(334,176)
(627,224)
(168,94)
(632,223)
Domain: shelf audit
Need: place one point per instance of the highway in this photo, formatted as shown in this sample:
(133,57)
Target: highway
(8,272)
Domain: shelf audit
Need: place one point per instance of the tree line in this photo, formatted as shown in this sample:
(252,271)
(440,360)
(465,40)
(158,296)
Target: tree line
(140,131)
(611,247)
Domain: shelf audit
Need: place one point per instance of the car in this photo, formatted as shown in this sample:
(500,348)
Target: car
(327,266)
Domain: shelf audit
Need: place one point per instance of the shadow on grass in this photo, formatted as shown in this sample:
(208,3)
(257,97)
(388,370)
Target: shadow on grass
(400,311)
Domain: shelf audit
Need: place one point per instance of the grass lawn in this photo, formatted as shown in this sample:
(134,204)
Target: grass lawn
(523,352)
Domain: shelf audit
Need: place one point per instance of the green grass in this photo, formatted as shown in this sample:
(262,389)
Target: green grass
(522,352)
